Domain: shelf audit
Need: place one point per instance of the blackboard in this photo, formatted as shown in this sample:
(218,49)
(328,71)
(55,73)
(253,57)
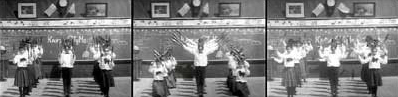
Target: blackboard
(121,40)
(251,39)
(274,37)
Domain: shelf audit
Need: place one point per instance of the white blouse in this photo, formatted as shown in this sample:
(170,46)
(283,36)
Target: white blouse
(333,60)
(21,60)
(286,58)
(374,61)
(106,62)
(161,69)
(67,60)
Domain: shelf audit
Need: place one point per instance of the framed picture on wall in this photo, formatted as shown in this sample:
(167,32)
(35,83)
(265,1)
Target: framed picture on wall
(26,10)
(160,9)
(96,9)
(364,9)
(294,10)
(229,9)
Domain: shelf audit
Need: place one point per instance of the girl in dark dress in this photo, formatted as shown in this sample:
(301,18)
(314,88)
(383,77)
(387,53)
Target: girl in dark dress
(21,74)
(159,71)
(377,57)
(288,80)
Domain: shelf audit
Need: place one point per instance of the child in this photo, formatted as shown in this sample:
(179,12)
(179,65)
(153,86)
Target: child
(170,64)
(21,74)
(288,80)
(374,59)
(241,72)
(66,61)
(333,54)
(106,65)
(232,66)
(159,85)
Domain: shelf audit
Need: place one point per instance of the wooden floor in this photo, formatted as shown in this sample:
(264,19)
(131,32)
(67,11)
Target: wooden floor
(82,87)
(348,88)
(187,87)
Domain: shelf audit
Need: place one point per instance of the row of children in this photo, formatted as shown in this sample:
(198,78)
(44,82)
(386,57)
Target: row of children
(200,48)
(371,54)
(28,64)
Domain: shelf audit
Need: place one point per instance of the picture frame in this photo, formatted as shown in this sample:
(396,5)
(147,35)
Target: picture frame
(27,10)
(96,9)
(229,9)
(294,10)
(160,9)
(364,9)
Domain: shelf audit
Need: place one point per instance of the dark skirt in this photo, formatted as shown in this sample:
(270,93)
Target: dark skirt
(289,77)
(106,78)
(37,66)
(374,78)
(242,89)
(365,72)
(171,80)
(96,72)
(160,89)
(31,73)
(21,77)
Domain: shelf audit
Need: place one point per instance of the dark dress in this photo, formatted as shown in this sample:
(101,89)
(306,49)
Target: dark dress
(21,77)
(289,77)
(374,78)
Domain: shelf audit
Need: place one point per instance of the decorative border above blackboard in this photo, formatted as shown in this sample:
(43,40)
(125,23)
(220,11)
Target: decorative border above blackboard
(332,23)
(66,23)
(199,23)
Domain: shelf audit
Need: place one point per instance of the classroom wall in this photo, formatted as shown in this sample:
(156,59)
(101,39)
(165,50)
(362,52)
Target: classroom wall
(116,8)
(249,8)
(384,8)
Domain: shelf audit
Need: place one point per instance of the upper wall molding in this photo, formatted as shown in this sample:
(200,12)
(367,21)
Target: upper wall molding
(199,23)
(391,22)
(65,23)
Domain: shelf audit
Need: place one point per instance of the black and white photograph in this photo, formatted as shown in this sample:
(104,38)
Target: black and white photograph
(204,49)
(364,9)
(27,10)
(338,48)
(230,9)
(160,9)
(294,9)
(96,9)
(61,48)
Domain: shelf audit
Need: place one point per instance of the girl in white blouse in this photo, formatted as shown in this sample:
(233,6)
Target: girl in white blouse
(66,60)
(288,80)
(106,64)
(375,58)
(21,74)
(333,54)
(159,85)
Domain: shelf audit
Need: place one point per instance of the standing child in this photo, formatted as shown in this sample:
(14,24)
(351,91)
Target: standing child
(241,72)
(170,64)
(21,74)
(333,54)
(288,80)
(66,61)
(159,85)
(106,65)
(377,57)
